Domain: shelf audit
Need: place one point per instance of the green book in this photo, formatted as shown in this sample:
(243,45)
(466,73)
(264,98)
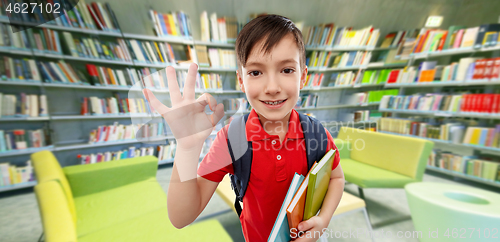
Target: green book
(319,179)
(449,35)
(366,77)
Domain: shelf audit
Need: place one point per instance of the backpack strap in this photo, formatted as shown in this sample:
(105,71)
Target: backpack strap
(315,138)
(240,151)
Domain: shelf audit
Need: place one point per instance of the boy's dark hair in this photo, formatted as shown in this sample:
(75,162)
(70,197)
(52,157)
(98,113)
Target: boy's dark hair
(272,28)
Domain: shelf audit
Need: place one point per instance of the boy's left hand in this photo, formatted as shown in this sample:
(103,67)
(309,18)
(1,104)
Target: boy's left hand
(309,227)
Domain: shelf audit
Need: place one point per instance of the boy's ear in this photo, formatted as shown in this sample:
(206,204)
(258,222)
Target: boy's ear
(240,81)
(303,77)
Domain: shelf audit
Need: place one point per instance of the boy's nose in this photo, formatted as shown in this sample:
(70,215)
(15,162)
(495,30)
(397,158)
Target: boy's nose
(273,85)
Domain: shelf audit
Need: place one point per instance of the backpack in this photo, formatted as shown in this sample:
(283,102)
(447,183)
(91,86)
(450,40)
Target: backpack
(241,151)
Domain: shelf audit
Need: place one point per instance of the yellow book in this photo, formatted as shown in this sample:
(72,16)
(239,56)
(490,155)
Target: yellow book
(476,135)
(111,76)
(159,53)
(486,36)
(12,175)
(172,24)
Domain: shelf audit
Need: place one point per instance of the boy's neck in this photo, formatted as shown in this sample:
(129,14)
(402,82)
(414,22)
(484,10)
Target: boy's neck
(275,127)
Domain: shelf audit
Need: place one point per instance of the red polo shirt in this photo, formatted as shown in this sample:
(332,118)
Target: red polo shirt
(273,167)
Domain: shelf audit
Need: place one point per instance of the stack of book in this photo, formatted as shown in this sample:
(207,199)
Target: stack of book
(131,152)
(469,165)
(204,81)
(314,80)
(10,174)
(94,48)
(307,101)
(377,76)
(304,199)
(113,105)
(23,105)
(13,38)
(395,39)
(45,40)
(223,29)
(19,69)
(480,103)
(334,59)
(158,52)
(331,35)
(377,96)
(105,76)
(451,131)
(428,102)
(21,139)
(456,37)
(221,58)
(86,16)
(118,132)
(482,136)
(60,72)
(175,24)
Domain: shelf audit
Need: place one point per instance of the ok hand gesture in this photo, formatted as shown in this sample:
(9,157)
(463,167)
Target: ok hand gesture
(187,119)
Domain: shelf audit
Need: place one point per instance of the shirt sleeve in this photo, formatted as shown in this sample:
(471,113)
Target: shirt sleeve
(331,145)
(217,162)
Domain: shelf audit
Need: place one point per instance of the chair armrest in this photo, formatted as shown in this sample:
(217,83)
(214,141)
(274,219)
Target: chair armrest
(93,178)
(57,221)
(344,148)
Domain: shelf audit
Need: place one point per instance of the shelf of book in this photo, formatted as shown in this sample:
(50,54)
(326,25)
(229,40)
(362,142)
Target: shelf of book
(103,116)
(444,114)
(463,176)
(21,119)
(14,51)
(20,83)
(170,39)
(81,86)
(80,30)
(18,186)
(453,52)
(381,65)
(338,106)
(25,151)
(475,147)
(215,44)
(96,60)
(319,89)
(217,69)
(159,65)
(444,84)
(325,69)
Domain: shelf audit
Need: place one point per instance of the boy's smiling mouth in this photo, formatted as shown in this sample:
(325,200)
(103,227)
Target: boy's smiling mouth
(274,103)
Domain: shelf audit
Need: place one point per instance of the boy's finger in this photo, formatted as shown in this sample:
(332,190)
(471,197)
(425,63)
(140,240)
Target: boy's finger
(207,99)
(305,225)
(218,114)
(154,102)
(188,92)
(173,86)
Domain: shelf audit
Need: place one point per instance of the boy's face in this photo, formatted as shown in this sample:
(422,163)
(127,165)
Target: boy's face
(272,81)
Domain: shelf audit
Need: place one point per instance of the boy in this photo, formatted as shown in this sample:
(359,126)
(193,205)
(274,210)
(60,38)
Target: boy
(271,72)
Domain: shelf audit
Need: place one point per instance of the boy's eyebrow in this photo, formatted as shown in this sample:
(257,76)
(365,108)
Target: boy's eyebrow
(281,62)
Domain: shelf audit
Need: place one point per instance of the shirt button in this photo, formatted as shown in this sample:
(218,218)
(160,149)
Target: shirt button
(278,157)
(273,142)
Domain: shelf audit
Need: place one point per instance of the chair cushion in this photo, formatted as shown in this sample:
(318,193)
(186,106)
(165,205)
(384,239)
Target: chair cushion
(367,176)
(104,209)
(155,226)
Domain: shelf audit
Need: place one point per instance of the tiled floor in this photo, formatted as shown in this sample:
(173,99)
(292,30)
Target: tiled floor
(20,220)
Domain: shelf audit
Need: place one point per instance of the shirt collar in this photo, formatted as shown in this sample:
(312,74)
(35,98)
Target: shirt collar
(255,131)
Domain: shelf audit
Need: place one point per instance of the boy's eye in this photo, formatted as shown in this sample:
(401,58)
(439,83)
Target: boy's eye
(288,70)
(253,73)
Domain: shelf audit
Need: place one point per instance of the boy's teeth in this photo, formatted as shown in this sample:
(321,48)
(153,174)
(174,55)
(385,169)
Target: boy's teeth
(274,103)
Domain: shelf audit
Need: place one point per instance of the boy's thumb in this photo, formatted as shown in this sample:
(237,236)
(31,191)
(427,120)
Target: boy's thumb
(304,225)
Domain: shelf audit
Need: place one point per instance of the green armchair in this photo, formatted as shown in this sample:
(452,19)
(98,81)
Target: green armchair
(112,201)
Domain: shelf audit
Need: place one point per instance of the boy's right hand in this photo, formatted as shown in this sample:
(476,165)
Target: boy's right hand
(187,119)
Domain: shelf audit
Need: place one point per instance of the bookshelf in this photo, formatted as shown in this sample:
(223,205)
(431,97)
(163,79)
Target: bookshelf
(81,121)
